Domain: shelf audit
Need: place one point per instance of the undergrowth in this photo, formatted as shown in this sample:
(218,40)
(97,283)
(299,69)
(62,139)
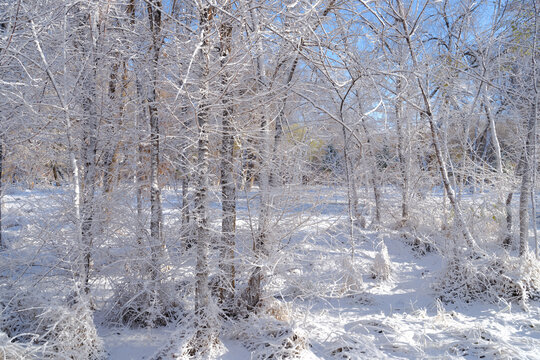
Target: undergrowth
(270,333)
(490,278)
(52,330)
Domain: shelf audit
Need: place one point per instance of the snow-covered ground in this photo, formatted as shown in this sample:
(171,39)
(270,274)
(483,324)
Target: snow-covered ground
(322,287)
(400,319)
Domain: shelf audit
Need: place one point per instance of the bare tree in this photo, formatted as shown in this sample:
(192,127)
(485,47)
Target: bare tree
(205,335)
(154,9)
(228,187)
(402,15)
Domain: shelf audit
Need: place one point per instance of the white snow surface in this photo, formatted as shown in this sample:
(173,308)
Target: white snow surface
(401,319)
(333,301)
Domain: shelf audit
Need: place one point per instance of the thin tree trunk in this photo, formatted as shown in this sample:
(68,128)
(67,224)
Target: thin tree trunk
(374,174)
(276,175)
(494,138)
(351,200)
(404,166)
(111,151)
(377,196)
(508,209)
(2,243)
(140,121)
(228,189)
(88,144)
(526,184)
(185,205)
(534,221)
(202,292)
(499,167)
(536,99)
(156,212)
(253,292)
(140,168)
(187,229)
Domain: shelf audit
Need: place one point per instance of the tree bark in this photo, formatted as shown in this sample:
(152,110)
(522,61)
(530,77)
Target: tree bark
(2,243)
(140,167)
(403,158)
(228,188)
(202,292)
(88,156)
(508,209)
(276,175)
(526,183)
(89,122)
(494,138)
(117,92)
(156,212)
(374,173)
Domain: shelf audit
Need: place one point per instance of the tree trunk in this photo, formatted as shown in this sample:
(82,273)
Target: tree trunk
(111,151)
(403,158)
(526,183)
(71,148)
(374,174)
(88,156)
(2,242)
(253,292)
(187,229)
(352,200)
(202,292)
(260,246)
(140,167)
(276,175)
(508,209)
(499,167)
(156,212)
(494,138)
(88,145)
(228,188)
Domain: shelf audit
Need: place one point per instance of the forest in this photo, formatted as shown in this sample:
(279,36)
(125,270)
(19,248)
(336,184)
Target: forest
(269,179)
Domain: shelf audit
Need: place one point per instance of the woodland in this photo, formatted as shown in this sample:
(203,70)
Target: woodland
(269,179)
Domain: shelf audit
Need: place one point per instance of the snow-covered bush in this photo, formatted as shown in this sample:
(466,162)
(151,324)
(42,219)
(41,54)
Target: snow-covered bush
(269,333)
(18,313)
(352,278)
(54,330)
(140,303)
(70,332)
(489,278)
(10,349)
(326,276)
(194,337)
(382,266)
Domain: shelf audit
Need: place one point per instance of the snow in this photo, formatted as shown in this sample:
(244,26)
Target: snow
(397,318)
(234,351)
(131,344)
(400,321)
